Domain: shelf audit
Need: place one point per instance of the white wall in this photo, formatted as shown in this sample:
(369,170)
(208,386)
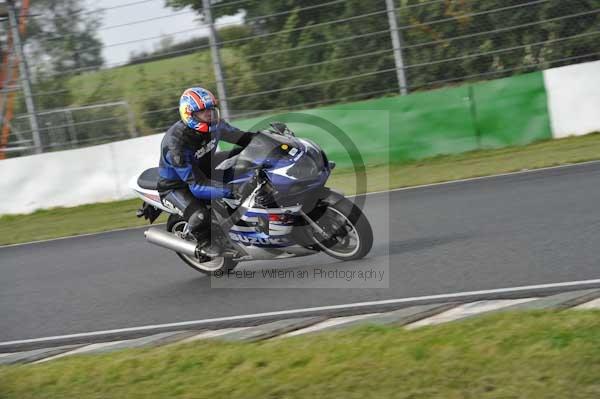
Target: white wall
(574,99)
(75,177)
(131,157)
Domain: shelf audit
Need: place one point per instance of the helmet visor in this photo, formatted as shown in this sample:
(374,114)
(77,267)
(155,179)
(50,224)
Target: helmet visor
(209,116)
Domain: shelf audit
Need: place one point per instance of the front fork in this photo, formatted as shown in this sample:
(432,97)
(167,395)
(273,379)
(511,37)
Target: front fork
(326,197)
(313,224)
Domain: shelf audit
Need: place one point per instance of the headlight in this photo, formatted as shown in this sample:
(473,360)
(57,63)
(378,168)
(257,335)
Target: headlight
(308,164)
(304,167)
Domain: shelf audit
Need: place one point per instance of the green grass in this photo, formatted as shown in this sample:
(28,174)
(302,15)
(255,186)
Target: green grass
(511,355)
(107,216)
(63,222)
(123,83)
(123,80)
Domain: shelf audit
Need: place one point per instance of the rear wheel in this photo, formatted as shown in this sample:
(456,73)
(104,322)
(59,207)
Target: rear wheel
(346,232)
(217,265)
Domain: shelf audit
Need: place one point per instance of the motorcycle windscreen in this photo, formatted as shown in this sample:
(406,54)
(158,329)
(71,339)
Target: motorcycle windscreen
(267,149)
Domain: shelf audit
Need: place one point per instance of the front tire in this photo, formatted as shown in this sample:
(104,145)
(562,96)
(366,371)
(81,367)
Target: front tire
(350,233)
(214,266)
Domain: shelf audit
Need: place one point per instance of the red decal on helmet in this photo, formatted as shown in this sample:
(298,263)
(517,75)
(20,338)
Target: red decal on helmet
(197,99)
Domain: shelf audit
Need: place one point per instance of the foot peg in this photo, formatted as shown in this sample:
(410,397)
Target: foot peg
(208,250)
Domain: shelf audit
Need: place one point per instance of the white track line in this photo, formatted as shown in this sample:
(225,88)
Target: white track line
(349,196)
(306,310)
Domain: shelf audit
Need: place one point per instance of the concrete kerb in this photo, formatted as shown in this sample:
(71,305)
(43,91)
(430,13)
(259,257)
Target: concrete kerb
(407,317)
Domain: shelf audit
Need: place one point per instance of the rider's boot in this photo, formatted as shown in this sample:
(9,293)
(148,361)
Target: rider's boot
(199,226)
(207,246)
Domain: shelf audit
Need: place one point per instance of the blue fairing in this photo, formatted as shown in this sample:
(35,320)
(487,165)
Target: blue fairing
(293,168)
(284,183)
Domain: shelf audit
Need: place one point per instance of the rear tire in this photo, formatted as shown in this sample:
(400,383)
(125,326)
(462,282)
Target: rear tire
(218,266)
(356,222)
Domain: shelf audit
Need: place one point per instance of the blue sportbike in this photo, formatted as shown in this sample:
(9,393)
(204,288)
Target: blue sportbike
(279,208)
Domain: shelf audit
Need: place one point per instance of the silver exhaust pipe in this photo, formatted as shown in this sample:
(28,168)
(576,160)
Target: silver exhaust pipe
(170,241)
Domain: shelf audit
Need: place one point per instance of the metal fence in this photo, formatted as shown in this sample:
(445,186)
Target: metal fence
(74,127)
(318,53)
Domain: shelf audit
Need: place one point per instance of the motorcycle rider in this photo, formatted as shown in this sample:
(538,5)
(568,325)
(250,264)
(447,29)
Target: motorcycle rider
(188,158)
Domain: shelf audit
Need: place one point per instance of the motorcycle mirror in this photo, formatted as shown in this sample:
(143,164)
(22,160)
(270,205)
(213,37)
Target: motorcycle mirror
(278,126)
(282,129)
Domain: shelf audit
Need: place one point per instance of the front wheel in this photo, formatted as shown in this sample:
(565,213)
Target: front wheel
(347,234)
(218,265)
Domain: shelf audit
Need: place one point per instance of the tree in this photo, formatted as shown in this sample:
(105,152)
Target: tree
(61,36)
(165,43)
(459,40)
(342,50)
(292,49)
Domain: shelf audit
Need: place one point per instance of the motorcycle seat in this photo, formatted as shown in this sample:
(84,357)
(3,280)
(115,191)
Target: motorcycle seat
(149,179)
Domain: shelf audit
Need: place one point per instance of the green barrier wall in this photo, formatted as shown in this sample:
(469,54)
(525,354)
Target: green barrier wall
(512,111)
(492,114)
(429,123)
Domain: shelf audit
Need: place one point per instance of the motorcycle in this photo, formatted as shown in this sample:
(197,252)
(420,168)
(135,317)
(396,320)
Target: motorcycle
(280,208)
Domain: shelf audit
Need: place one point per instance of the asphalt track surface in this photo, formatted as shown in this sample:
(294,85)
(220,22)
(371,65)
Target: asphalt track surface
(524,229)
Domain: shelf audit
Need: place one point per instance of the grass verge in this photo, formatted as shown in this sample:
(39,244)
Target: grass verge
(63,222)
(507,355)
